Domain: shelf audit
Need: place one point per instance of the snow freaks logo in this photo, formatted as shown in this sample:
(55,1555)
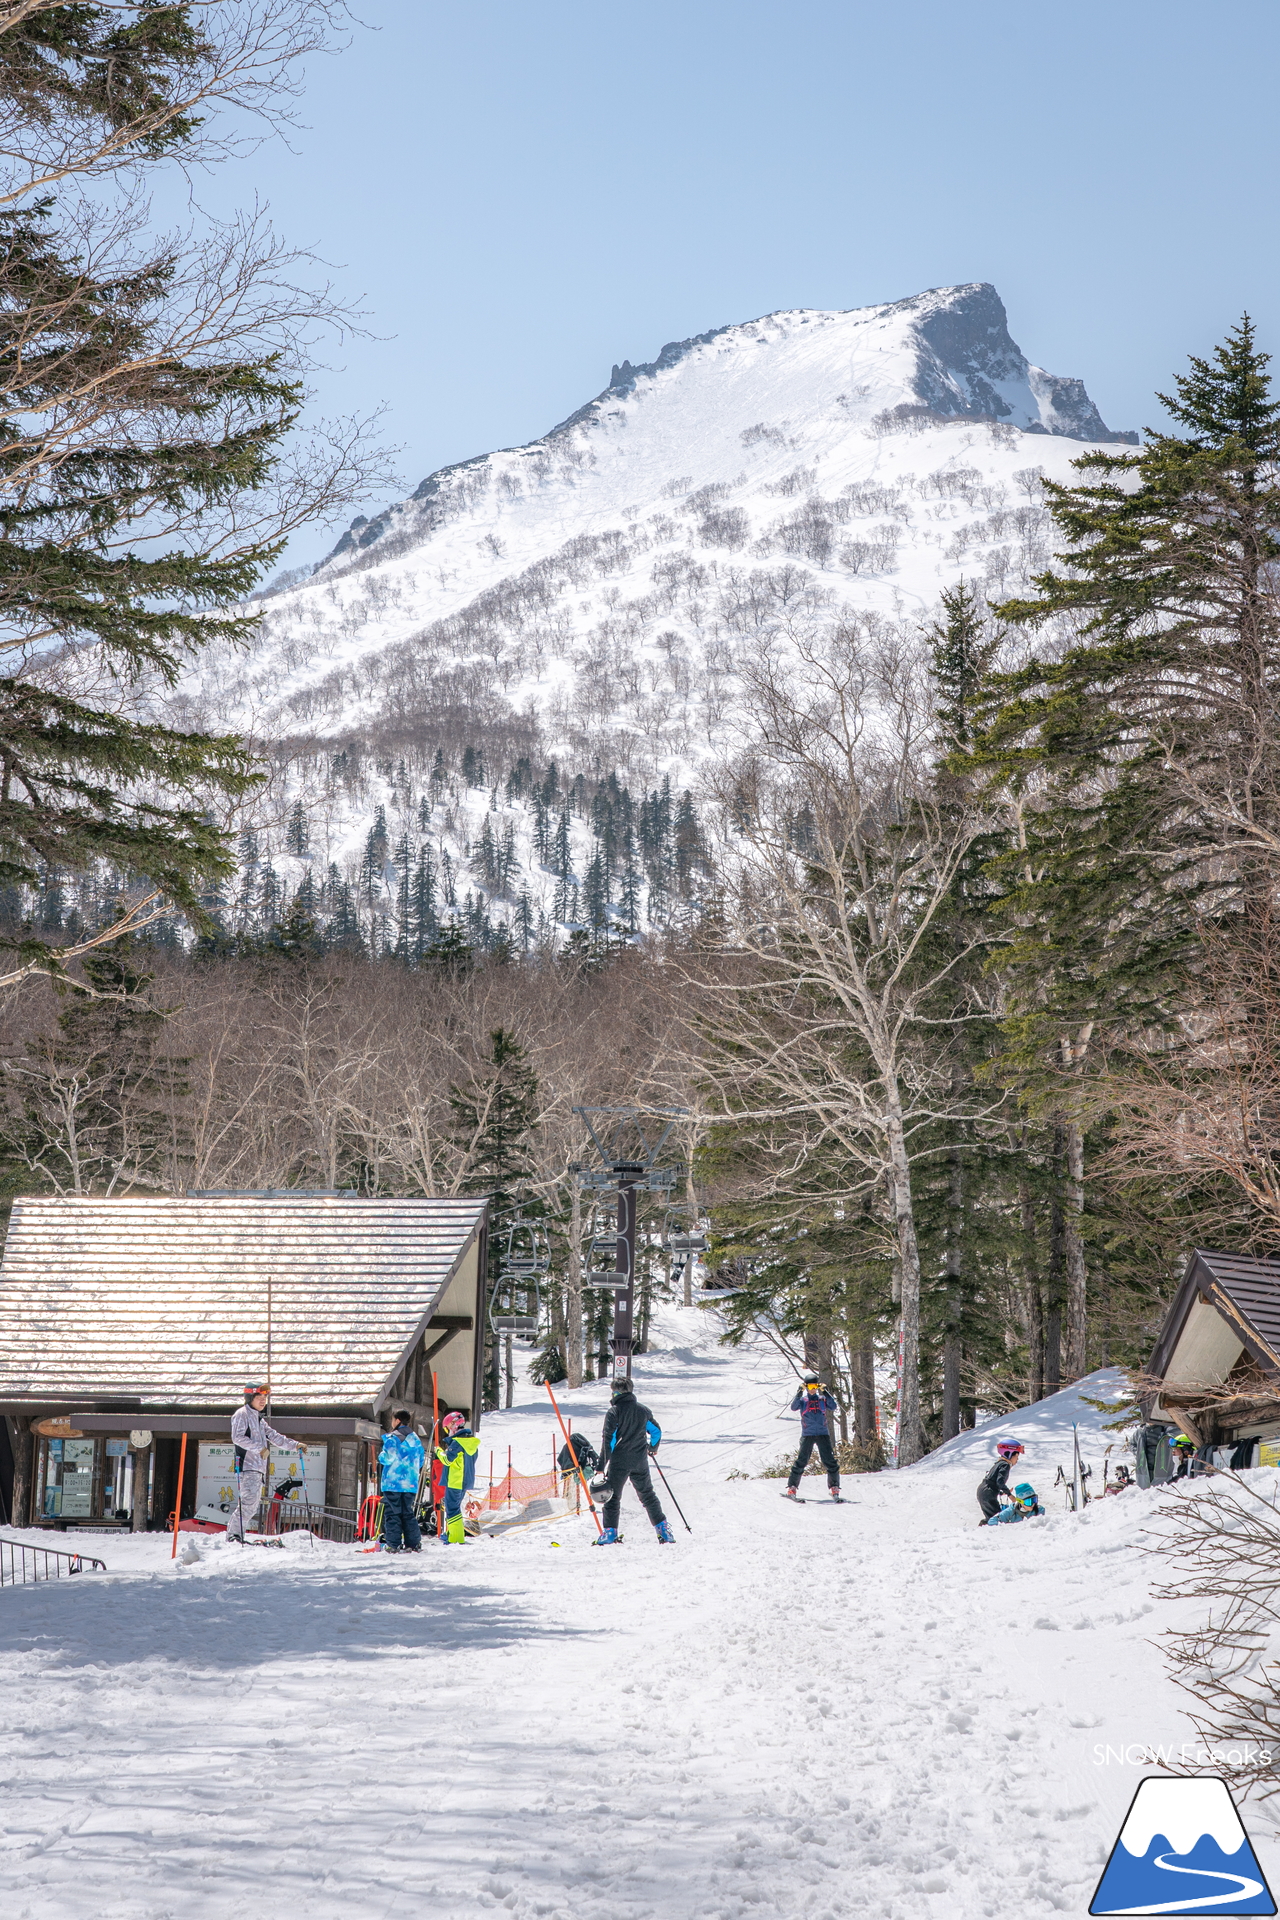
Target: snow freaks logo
(1187,1755)
(1182,1850)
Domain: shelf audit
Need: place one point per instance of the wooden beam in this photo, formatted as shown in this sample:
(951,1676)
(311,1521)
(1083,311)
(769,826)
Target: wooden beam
(454,1322)
(450,1333)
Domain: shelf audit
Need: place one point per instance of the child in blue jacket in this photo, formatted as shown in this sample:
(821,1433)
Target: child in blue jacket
(1025,1504)
(400,1462)
(813,1403)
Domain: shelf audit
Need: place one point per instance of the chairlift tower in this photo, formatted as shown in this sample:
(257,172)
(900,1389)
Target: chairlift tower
(628,1141)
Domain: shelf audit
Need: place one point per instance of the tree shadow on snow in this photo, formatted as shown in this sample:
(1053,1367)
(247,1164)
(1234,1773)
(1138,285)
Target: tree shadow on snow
(222,1624)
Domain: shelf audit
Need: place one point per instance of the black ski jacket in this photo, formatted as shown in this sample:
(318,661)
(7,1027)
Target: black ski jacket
(996,1478)
(629,1432)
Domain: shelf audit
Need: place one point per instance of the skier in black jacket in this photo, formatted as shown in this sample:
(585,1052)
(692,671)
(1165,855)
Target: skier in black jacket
(631,1434)
(996,1479)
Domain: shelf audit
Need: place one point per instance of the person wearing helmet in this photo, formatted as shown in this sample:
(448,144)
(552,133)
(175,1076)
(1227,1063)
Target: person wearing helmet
(458,1458)
(400,1476)
(996,1480)
(253,1440)
(1025,1504)
(813,1403)
(631,1434)
(1183,1448)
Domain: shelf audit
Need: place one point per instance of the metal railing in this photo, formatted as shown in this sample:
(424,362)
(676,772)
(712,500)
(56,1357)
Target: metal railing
(327,1523)
(22,1566)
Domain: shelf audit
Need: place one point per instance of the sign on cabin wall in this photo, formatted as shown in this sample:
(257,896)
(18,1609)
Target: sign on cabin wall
(216,1477)
(56,1427)
(68,1479)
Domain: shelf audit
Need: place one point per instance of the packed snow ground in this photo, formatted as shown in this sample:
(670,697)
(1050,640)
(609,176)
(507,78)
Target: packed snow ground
(875,1709)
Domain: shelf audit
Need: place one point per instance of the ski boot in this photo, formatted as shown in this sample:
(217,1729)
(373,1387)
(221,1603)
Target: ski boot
(665,1536)
(791,1494)
(835,1493)
(609,1538)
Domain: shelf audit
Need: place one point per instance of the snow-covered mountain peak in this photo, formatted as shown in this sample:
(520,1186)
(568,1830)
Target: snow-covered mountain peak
(517,670)
(948,350)
(942,355)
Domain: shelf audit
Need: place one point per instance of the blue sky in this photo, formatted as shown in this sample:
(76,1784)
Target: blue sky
(522,193)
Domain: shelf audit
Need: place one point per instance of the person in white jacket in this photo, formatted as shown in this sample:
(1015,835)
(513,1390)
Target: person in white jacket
(253,1440)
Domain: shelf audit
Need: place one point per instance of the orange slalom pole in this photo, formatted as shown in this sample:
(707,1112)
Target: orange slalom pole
(573,1456)
(177,1505)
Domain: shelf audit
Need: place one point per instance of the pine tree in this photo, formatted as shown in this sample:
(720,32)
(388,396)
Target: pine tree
(630,891)
(1144,760)
(423,909)
(595,896)
(374,859)
(451,949)
(963,650)
(297,839)
(493,1117)
(404,900)
(1151,747)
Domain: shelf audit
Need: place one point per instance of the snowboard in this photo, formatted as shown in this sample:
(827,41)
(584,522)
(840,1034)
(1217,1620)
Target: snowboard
(800,1501)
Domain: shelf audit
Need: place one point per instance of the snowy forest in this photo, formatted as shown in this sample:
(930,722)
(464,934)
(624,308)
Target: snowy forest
(967,986)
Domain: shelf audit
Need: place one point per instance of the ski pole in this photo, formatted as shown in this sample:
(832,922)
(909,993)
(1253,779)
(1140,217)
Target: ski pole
(667,1484)
(568,1440)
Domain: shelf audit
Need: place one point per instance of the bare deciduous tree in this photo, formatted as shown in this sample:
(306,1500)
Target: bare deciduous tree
(841,862)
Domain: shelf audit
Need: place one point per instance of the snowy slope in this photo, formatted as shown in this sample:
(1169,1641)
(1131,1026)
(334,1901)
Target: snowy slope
(588,597)
(809,1712)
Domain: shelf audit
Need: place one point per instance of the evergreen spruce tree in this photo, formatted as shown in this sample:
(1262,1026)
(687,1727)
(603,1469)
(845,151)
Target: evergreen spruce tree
(493,1117)
(297,839)
(1143,756)
(1151,746)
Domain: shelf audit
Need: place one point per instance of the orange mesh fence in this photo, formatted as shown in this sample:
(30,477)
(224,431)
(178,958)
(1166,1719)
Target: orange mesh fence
(514,1489)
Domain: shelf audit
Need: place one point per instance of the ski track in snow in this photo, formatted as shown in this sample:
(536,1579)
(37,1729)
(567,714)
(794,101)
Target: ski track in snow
(877,1709)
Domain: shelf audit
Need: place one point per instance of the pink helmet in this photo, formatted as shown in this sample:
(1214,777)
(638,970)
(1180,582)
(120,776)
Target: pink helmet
(1009,1449)
(452,1422)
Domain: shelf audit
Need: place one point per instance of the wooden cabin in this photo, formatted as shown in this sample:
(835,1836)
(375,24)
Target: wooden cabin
(126,1323)
(1218,1358)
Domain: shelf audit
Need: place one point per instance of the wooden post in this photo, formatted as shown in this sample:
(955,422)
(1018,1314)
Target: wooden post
(141,1474)
(23,1447)
(177,1498)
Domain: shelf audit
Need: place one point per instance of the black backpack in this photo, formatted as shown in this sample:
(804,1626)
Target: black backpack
(588,1458)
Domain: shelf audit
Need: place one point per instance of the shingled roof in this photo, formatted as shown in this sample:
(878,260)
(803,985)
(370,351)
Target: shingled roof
(162,1301)
(1244,1290)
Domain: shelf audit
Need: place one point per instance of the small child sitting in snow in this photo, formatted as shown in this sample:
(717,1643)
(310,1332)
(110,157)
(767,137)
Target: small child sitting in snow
(1024,1506)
